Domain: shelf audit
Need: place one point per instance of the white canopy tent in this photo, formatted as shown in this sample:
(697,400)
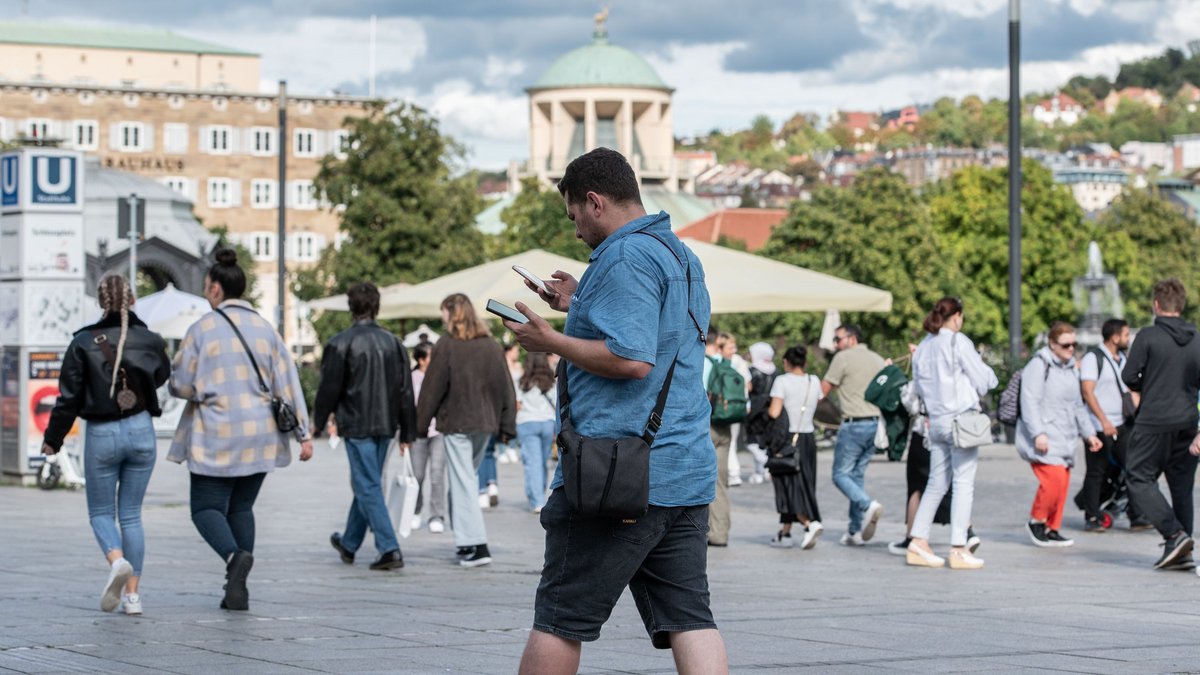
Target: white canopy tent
(737,282)
(169,312)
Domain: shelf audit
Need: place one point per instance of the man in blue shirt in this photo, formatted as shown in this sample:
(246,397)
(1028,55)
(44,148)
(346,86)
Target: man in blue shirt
(628,319)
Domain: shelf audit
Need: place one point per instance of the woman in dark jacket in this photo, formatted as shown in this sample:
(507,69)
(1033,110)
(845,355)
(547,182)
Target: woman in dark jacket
(469,390)
(119,448)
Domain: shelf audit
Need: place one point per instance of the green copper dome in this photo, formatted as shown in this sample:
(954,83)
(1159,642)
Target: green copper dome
(599,65)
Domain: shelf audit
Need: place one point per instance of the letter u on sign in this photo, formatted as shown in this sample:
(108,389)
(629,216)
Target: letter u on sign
(54,180)
(9,172)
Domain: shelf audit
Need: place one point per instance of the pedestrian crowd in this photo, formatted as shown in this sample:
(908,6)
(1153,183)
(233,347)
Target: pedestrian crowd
(645,404)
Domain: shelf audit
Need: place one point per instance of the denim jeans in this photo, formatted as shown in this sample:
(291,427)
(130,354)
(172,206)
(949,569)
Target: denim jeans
(536,440)
(118,460)
(487,467)
(223,511)
(853,452)
(430,454)
(463,455)
(948,466)
(367,456)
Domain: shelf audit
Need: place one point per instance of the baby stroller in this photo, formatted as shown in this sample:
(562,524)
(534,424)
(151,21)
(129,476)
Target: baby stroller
(1114,495)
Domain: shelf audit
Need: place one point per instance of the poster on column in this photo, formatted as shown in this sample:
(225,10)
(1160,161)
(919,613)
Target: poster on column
(10,314)
(51,311)
(10,402)
(42,246)
(44,369)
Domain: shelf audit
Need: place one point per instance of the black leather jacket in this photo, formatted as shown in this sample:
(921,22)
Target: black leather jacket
(367,384)
(86,376)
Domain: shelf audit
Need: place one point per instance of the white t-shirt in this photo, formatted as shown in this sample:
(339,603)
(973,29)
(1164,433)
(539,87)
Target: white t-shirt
(800,394)
(1108,387)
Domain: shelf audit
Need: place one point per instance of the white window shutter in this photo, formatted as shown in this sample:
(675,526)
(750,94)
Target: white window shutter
(114,136)
(202,146)
(193,188)
(235,140)
(235,192)
(289,199)
(148,136)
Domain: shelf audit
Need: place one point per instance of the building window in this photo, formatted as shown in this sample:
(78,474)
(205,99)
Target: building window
(262,141)
(219,139)
(175,137)
(222,193)
(306,246)
(262,194)
(5,134)
(129,137)
(302,196)
(341,143)
(305,144)
(179,184)
(85,134)
(261,245)
(37,128)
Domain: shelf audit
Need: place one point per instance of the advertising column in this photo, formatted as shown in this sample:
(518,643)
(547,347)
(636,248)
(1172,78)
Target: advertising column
(42,269)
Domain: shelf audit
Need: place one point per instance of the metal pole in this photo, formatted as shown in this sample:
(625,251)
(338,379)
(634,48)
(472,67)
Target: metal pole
(133,242)
(1014,181)
(281,235)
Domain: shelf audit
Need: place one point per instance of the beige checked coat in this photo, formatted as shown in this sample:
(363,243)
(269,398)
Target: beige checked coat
(227,428)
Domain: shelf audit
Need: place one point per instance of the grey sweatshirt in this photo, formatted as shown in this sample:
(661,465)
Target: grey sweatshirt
(1052,404)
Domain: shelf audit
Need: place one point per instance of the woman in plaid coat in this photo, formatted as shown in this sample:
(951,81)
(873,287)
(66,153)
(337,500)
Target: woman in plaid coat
(227,434)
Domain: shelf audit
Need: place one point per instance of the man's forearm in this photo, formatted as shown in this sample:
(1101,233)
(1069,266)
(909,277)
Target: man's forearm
(1089,397)
(595,357)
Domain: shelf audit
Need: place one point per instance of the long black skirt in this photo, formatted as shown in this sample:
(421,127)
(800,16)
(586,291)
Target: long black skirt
(917,475)
(796,494)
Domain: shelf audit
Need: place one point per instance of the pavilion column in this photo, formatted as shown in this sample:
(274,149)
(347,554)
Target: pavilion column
(589,124)
(627,127)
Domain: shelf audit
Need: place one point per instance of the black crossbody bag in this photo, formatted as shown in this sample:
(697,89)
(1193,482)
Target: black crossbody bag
(281,410)
(610,477)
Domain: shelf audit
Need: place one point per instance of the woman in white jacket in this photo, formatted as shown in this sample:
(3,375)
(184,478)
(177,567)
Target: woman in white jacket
(1053,421)
(950,377)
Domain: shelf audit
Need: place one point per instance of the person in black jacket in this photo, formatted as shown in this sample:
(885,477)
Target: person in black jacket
(367,386)
(1164,368)
(119,448)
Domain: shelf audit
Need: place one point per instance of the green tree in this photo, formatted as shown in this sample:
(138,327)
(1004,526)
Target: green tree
(405,204)
(876,232)
(1143,238)
(970,215)
(537,218)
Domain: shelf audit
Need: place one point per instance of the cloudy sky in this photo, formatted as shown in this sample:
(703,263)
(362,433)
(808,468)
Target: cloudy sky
(469,60)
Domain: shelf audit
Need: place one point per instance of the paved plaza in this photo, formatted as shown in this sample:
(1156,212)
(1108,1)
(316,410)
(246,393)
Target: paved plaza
(1094,608)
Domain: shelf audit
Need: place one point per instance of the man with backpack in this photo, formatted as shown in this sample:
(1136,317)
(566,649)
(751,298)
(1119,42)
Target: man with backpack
(1108,402)
(727,393)
(1164,367)
(851,371)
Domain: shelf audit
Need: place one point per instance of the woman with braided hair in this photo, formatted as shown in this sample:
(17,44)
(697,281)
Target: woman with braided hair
(109,377)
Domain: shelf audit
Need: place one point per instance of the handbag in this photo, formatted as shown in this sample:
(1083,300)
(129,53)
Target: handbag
(610,477)
(127,399)
(972,428)
(281,410)
(401,488)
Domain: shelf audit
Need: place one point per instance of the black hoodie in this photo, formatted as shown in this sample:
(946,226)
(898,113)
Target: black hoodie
(1164,366)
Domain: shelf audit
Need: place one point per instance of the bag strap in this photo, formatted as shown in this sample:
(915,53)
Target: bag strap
(1101,357)
(101,339)
(261,382)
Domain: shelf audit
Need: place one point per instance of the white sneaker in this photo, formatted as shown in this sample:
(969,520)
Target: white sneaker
(756,479)
(871,519)
(502,457)
(118,574)
(436,526)
(811,534)
(514,457)
(416,523)
(131,603)
(484,502)
(781,540)
(852,539)
(735,481)
(493,494)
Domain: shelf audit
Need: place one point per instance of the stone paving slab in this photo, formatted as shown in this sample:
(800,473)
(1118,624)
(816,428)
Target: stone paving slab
(1097,607)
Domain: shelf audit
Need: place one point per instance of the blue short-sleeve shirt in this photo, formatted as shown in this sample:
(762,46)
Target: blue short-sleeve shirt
(634,297)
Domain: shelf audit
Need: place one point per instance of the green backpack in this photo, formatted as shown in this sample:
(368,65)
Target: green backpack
(726,392)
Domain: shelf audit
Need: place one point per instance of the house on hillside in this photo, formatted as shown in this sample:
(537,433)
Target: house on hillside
(905,118)
(1058,108)
(1186,152)
(922,166)
(1190,95)
(724,185)
(751,227)
(1145,155)
(859,123)
(1150,97)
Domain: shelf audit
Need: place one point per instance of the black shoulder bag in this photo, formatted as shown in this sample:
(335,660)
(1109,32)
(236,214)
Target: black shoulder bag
(610,477)
(783,457)
(281,410)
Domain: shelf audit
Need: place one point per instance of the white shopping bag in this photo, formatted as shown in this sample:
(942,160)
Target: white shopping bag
(881,437)
(400,492)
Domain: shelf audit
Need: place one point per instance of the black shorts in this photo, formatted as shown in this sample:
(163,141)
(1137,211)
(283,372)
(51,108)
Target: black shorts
(662,557)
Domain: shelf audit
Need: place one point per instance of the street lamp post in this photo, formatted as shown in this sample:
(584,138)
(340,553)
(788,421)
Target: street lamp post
(1014,180)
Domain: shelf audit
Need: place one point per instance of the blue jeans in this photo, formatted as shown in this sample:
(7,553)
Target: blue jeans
(487,468)
(853,452)
(118,460)
(536,439)
(367,456)
(223,511)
